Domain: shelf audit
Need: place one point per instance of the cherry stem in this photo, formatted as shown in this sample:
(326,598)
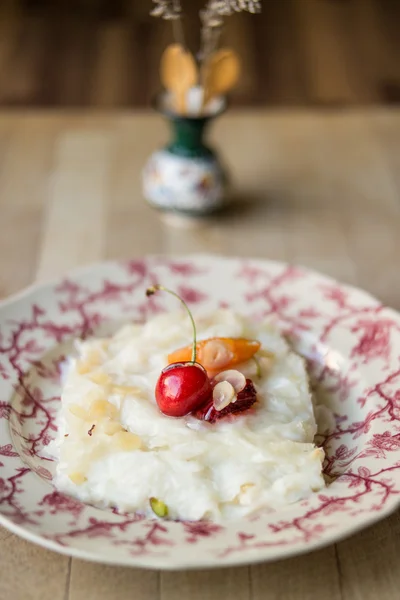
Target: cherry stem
(155,288)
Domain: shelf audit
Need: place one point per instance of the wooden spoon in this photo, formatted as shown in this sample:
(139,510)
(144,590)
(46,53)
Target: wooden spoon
(220,73)
(178,73)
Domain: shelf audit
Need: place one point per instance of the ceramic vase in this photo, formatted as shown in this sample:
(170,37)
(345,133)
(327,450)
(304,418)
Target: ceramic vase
(186,176)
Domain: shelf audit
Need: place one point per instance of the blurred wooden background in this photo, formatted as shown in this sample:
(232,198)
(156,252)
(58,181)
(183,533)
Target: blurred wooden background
(105,53)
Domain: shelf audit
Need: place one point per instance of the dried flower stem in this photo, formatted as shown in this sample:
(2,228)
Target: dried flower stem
(170,10)
(177,32)
(212,18)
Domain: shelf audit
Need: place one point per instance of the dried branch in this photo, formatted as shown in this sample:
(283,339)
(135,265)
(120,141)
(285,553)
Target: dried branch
(167,9)
(170,10)
(212,18)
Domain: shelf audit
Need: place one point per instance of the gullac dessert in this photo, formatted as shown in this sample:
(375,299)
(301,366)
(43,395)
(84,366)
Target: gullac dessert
(189,419)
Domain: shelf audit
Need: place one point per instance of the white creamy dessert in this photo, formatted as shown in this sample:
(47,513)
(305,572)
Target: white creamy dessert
(115,448)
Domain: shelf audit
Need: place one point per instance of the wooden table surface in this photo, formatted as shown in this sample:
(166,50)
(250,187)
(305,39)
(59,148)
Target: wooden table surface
(318,188)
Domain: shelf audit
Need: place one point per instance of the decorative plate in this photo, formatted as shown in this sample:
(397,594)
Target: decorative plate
(351,342)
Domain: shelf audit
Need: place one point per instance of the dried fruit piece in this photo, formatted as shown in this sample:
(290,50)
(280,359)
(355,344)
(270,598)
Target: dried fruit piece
(158,507)
(218,353)
(223,395)
(245,400)
(235,378)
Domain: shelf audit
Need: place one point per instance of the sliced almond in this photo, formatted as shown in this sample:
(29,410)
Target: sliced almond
(79,411)
(102,408)
(100,378)
(234,377)
(109,427)
(125,390)
(125,440)
(223,395)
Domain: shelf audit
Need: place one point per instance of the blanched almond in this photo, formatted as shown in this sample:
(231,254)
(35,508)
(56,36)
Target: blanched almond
(223,395)
(234,377)
(216,354)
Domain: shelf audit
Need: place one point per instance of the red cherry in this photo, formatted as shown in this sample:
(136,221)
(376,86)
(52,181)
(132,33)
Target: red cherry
(182,388)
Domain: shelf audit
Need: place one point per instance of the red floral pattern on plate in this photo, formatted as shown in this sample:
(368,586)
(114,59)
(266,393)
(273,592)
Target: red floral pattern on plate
(351,344)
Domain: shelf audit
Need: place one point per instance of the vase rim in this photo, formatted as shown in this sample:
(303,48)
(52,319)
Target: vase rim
(160,104)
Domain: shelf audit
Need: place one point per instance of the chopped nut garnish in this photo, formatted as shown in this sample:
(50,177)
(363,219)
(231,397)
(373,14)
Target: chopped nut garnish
(158,507)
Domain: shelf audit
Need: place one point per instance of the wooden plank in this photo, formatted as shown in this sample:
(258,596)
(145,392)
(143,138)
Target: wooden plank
(67,68)
(21,83)
(238,33)
(312,577)
(323,42)
(10,26)
(75,220)
(28,572)
(90,581)
(133,228)
(369,562)
(210,584)
(377,47)
(25,164)
(4,533)
(110,82)
(385,126)
(317,239)
(280,65)
(353,168)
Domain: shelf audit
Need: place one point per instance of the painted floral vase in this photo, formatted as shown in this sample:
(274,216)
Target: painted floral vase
(186,177)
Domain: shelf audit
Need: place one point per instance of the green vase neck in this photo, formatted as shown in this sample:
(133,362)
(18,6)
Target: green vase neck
(188,138)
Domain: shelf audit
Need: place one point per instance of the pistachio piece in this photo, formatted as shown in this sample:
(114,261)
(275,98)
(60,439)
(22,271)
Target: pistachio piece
(158,507)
